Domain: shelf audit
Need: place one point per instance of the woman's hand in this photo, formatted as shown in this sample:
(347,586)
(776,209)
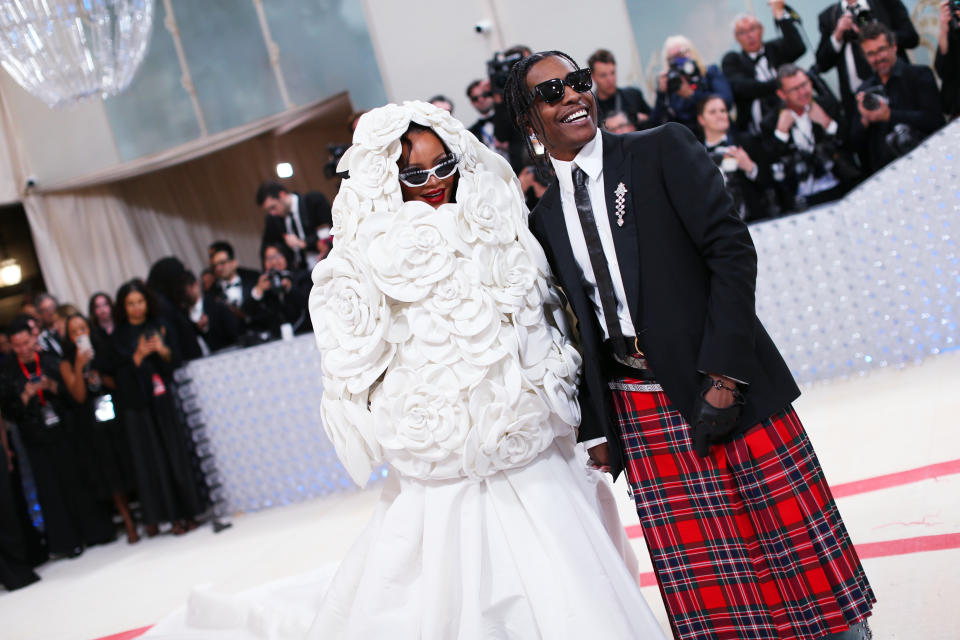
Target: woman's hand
(744,162)
(83,358)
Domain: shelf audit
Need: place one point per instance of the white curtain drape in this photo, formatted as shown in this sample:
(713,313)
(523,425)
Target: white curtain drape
(93,238)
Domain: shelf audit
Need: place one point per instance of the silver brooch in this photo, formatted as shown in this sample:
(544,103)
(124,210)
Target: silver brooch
(621,194)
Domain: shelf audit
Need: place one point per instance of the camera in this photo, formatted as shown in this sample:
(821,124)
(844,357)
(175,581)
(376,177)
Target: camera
(954,20)
(861,18)
(498,69)
(902,140)
(679,69)
(727,164)
(483,26)
(336,152)
(873,97)
(276,278)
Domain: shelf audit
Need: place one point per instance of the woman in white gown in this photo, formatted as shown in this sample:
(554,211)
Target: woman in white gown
(444,355)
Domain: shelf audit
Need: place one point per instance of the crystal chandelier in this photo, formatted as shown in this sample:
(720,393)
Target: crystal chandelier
(63,51)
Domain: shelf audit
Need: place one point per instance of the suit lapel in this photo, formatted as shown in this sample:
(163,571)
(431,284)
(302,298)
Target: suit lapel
(551,220)
(616,172)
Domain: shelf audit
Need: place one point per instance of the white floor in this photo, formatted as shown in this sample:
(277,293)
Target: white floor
(887,422)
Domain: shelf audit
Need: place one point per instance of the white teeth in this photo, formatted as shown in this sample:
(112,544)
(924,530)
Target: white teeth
(576,115)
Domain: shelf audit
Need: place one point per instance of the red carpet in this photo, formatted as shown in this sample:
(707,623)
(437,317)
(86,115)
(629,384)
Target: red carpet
(866,550)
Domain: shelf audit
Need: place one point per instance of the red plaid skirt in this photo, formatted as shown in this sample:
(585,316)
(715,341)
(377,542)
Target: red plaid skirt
(748,543)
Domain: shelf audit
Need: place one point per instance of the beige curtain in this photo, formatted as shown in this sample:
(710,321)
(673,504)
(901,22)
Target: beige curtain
(96,237)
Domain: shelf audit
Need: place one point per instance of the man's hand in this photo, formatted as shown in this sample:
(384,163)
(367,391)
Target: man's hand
(263,284)
(642,117)
(721,398)
(785,121)
(662,82)
(777,7)
(868,117)
(686,89)
(29,390)
(818,115)
(294,242)
(600,457)
(203,323)
(844,24)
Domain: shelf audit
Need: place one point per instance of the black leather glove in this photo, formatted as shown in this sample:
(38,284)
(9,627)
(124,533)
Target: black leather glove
(712,425)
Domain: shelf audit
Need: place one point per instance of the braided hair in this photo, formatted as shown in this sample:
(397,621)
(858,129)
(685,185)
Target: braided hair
(521,109)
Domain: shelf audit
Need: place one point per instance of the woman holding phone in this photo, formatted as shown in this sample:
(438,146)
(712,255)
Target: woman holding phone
(147,355)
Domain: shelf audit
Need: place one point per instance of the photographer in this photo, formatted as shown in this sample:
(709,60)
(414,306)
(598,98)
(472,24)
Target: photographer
(504,130)
(481,97)
(947,63)
(301,222)
(215,326)
(752,72)
(898,105)
(802,141)
(745,171)
(610,97)
(280,295)
(684,84)
(840,26)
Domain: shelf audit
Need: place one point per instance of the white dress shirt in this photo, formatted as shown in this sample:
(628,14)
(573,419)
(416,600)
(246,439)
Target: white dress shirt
(233,291)
(590,160)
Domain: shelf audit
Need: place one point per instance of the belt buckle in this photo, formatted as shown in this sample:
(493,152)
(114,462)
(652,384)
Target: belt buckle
(636,347)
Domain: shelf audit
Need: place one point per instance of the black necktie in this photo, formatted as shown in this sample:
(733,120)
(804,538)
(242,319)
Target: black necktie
(601,272)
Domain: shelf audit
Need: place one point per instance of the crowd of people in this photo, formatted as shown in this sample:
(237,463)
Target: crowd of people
(782,138)
(91,395)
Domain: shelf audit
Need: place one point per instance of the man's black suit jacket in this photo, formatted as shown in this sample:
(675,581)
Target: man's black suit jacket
(891,13)
(914,101)
(314,211)
(689,272)
(740,70)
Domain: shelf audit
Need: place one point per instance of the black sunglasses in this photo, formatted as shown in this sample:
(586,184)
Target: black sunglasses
(550,91)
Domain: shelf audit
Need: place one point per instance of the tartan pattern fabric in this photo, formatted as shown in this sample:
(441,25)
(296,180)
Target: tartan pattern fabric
(747,544)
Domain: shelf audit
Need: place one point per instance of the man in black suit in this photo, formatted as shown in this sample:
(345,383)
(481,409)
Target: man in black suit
(234,283)
(947,62)
(907,109)
(610,97)
(212,321)
(301,222)
(682,387)
(752,72)
(840,26)
(804,139)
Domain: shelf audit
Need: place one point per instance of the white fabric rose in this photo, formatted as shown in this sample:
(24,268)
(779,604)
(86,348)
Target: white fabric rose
(381,127)
(352,322)
(408,251)
(512,277)
(373,176)
(421,420)
(348,210)
(489,210)
(504,434)
(349,425)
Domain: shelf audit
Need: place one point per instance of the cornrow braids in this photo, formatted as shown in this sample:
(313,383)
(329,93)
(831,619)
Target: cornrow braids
(520,106)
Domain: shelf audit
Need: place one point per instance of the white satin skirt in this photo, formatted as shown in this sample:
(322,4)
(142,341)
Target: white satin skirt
(535,552)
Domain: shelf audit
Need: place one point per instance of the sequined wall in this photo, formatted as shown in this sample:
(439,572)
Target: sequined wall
(874,280)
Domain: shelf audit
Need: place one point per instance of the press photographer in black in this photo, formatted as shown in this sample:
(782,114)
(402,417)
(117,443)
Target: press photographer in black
(752,71)
(498,69)
(803,142)
(947,62)
(610,97)
(898,105)
(840,25)
(746,173)
(280,295)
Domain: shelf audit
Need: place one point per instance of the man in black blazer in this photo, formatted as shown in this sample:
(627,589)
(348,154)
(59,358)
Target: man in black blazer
(234,283)
(908,109)
(839,29)
(805,139)
(302,222)
(752,71)
(682,387)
